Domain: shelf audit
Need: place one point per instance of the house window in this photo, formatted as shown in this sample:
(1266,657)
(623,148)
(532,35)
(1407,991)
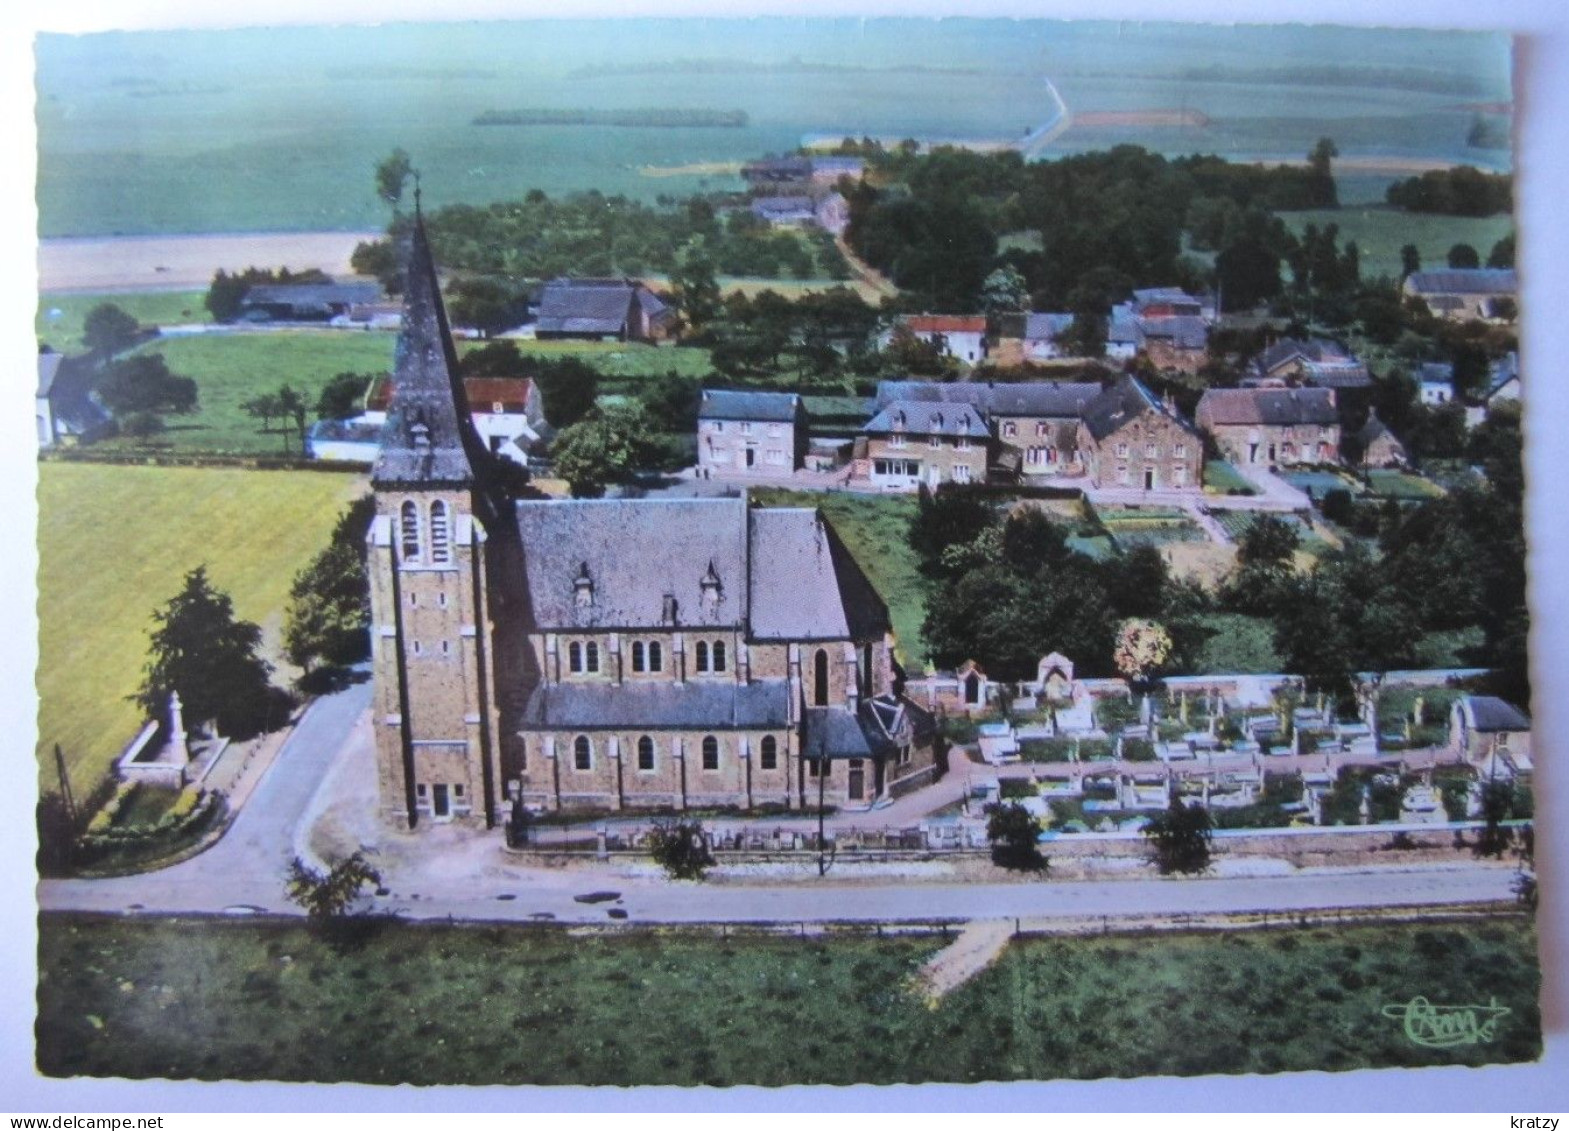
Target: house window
(961,473)
(1179,477)
(814,769)
(1010,429)
(702,655)
(746,427)
(768,754)
(656,660)
(710,752)
(440,540)
(410,527)
(774,430)
(575,657)
(637,656)
(1180,451)
(935,441)
(1040,428)
(582,753)
(591,657)
(719,655)
(719,426)
(1122,451)
(645,753)
(1149,451)
(896,440)
(776,456)
(962,443)
(1122,476)
(820,679)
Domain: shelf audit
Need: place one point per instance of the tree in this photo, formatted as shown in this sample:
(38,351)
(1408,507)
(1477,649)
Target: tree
(1410,260)
(694,286)
(342,396)
(568,387)
(392,173)
(202,651)
(141,425)
(1248,273)
(1264,562)
(1015,837)
(1142,647)
(1463,256)
(607,447)
(1503,253)
(143,383)
(1322,173)
(951,517)
(680,848)
(1179,838)
(490,306)
(108,330)
(329,895)
(1498,799)
(1005,291)
(329,602)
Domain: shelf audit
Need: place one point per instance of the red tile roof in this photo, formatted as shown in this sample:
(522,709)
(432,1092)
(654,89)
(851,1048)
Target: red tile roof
(947,323)
(483,393)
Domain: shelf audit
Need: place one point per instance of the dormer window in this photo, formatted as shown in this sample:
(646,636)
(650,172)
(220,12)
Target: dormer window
(583,588)
(712,590)
(669,609)
(898,420)
(419,434)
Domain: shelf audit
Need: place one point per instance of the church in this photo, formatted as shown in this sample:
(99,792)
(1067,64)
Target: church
(606,655)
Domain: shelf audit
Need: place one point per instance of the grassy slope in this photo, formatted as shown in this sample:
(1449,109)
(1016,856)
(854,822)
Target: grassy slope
(1240,644)
(114,544)
(150,308)
(1380,232)
(874,527)
(431,1004)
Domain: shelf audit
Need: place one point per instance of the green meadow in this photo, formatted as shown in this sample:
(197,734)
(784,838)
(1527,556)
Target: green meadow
(60,316)
(114,543)
(432,1004)
(1380,232)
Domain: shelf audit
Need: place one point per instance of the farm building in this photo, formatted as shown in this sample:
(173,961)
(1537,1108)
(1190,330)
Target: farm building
(1272,426)
(620,310)
(1487,293)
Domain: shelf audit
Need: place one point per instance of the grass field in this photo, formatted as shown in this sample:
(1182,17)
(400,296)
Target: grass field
(1221,478)
(114,544)
(59,320)
(1380,233)
(1390,484)
(875,528)
(620,364)
(433,1005)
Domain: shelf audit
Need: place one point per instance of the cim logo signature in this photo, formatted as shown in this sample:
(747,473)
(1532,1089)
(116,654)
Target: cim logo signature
(1447,1026)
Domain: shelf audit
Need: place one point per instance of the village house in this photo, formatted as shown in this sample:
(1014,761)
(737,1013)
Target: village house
(1254,427)
(913,442)
(305,302)
(1179,342)
(1040,421)
(1030,338)
(1379,446)
(621,310)
(829,170)
(773,173)
(1314,361)
(1486,293)
(508,413)
(65,410)
(828,211)
(1172,302)
(1435,383)
(1165,324)
(960,336)
(750,434)
(608,654)
(1128,438)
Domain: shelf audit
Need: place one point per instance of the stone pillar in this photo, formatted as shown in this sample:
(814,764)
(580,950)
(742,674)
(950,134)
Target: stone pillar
(178,750)
(745,750)
(617,670)
(678,657)
(554,800)
(614,745)
(678,751)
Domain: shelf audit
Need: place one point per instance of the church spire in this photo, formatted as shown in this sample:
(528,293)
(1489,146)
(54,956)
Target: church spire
(429,439)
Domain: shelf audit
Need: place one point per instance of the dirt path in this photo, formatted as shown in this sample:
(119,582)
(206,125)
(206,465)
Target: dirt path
(165,263)
(977,947)
(865,271)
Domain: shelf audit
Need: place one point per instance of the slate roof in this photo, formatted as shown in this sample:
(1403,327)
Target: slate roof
(731,404)
(872,730)
(1032,398)
(1149,296)
(1491,713)
(654,705)
(1337,374)
(1373,430)
(925,417)
(428,438)
(838,166)
(1124,328)
(635,552)
(314,297)
(1116,406)
(1186,331)
(48,366)
(1045,327)
(804,584)
(1291,349)
(777,207)
(592,306)
(350,431)
(1268,406)
(1471,281)
(1435,372)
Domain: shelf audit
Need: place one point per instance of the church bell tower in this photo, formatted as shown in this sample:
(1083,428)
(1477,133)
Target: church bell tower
(435,718)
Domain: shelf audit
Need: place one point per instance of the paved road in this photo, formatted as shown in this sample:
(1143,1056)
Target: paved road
(247,865)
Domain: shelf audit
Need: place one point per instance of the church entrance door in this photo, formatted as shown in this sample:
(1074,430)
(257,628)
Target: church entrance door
(857,782)
(440,805)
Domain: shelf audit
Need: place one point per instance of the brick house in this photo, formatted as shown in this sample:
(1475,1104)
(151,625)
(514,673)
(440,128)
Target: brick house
(1312,361)
(1177,342)
(608,654)
(1128,438)
(1255,427)
(1380,447)
(746,433)
(910,442)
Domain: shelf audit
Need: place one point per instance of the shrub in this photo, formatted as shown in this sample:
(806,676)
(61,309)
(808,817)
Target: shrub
(1014,833)
(681,849)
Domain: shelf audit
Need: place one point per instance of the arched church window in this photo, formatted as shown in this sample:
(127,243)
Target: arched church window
(410,531)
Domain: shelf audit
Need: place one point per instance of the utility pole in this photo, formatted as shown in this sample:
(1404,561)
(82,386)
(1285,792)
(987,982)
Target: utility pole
(65,786)
(822,791)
